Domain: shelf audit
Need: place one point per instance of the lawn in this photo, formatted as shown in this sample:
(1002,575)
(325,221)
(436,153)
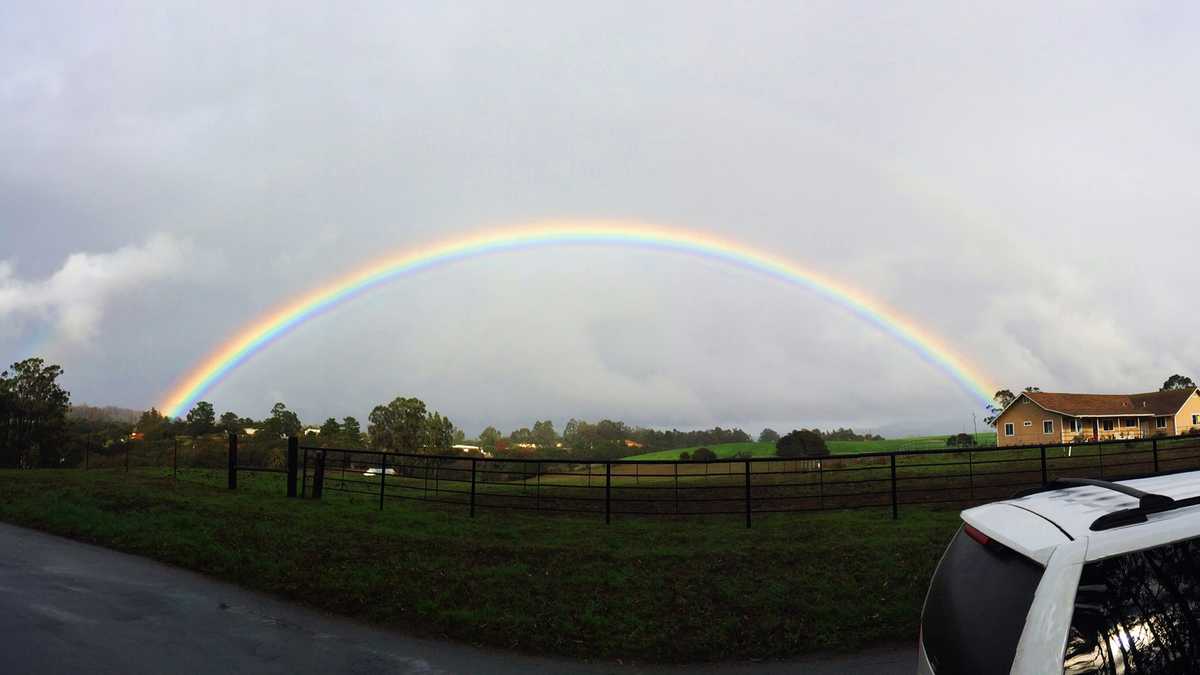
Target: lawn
(647,589)
(835,447)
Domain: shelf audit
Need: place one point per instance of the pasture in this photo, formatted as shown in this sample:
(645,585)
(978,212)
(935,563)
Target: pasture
(982,439)
(642,589)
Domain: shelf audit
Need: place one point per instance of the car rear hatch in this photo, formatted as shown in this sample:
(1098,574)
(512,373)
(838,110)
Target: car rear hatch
(983,587)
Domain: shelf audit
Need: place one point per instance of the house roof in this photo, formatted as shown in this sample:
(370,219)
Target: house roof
(1084,405)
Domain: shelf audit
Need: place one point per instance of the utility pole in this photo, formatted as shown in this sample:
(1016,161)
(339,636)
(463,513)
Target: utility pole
(974,424)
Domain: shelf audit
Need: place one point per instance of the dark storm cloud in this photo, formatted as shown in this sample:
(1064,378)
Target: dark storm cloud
(1019,180)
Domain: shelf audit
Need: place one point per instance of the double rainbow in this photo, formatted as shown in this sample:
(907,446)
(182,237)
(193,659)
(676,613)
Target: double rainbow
(271,327)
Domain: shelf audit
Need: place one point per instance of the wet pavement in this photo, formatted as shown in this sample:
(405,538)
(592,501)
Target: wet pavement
(68,607)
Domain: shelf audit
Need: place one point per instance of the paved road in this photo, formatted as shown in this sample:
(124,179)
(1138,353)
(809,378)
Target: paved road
(67,607)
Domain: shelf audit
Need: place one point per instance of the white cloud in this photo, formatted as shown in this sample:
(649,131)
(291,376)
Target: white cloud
(76,297)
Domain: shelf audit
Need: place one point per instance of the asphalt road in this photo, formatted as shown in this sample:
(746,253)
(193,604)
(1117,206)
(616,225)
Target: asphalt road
(67,607)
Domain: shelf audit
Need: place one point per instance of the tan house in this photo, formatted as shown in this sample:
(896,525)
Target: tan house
(1041,417)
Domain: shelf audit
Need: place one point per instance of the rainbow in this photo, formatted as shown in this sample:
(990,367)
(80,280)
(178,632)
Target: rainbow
(271,327)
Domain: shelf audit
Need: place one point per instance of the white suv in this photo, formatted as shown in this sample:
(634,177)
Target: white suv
(1080,576)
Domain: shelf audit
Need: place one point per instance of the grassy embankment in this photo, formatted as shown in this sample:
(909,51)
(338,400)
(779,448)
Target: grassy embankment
(983,439)
(648,589)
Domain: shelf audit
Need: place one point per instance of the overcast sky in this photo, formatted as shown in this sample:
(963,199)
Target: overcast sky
(1021,180)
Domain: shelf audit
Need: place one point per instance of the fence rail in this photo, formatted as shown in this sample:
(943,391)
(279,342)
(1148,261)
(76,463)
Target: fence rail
(730,486)
(608,489)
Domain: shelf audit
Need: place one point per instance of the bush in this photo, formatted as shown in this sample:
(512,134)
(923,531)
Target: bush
(960,441)
(703,455)
(801,443)
(685,456)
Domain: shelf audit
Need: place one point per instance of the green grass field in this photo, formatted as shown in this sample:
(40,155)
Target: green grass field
(835,447)
(650,589)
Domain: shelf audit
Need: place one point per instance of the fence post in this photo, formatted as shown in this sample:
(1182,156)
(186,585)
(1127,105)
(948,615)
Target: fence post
(233,442)
(304,474)
(319,475)
(820,486)
(971,474)
(127,457)
(473,463)
(293,460)
(1154,448)
(1043,449)
(86,445)
(382,477)
(538,503)
(1100,450)
(676,465)
(747,494)
(607,492)
(895,506)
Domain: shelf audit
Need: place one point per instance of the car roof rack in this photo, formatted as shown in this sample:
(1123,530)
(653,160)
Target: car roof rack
(1148,502)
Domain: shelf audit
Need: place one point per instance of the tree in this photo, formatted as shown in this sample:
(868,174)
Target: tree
(768,436)
(489,437)
(33,412)
(398,426)
(522,435)
(153,425)
(331,429)
(1178,381)
(543,434)
(801,443)
(282,422)
(439,433)
(460,436)
(1000,401)
(230,423)
(201,419)
(352,432)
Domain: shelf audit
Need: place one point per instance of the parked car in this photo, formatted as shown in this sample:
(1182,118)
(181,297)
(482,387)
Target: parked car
(374,471)
(1080,576)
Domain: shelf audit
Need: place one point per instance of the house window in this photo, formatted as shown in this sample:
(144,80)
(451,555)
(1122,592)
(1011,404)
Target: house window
(1160,423)
(1195,419)
(1075,425)
(1028,423)
(1008,429)
(1047,426)
(1129,422)
(1108,425)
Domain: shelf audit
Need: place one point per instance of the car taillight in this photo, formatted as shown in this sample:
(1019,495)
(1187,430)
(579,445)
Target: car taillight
(976,534)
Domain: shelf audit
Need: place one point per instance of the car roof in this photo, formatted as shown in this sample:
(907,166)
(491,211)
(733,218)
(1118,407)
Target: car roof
(1072,510)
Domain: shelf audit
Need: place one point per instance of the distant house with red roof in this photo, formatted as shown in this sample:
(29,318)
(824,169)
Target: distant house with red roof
(1042,417)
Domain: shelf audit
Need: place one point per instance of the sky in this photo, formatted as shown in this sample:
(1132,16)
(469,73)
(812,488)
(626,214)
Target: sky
(1019,180)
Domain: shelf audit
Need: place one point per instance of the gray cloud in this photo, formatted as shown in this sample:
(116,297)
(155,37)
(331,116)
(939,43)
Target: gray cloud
(1018,179)
(76,296)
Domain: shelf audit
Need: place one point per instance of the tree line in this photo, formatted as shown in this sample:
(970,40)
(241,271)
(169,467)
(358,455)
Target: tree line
(38,427)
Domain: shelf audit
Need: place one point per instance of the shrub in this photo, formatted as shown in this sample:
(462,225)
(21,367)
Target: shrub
(703,455)
(960,441)
(685,456)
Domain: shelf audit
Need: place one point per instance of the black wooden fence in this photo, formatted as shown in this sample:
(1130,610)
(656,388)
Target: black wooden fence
(745,487)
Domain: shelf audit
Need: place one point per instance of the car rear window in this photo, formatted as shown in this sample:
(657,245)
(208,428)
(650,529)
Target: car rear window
(1138,613)
(976,607)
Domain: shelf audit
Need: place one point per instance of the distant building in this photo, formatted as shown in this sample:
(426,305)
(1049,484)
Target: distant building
(1037,417)
(312,431)
(249,431)
(471,450)
(632,444)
